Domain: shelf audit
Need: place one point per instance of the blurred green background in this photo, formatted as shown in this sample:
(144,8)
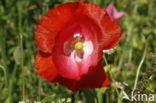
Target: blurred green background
(19,82)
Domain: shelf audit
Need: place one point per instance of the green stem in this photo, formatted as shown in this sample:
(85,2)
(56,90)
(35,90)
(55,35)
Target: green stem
(105,60)
(11,83)
(130,55)
(99,96)
(3,54)
(107,98)
(5,74)
(112,80)
(139,68)
(21,66)
(39,89)
(19,9)
(74,98)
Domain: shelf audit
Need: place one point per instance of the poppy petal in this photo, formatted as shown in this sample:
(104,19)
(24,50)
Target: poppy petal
(95,78)
(52,23)
(112,33)
(109,31)
(44,39)
(45,67)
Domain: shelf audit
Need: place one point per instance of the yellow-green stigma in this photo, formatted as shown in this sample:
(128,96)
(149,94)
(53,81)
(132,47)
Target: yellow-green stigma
(78,45)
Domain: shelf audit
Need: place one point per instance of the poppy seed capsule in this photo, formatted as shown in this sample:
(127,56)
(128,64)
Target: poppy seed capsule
(78,46)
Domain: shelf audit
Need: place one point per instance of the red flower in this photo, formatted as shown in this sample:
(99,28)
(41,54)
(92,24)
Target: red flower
(71,38)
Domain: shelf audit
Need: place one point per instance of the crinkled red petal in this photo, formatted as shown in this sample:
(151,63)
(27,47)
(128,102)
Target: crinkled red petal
(44,39)
(110,32)
(51,24)
(45,67)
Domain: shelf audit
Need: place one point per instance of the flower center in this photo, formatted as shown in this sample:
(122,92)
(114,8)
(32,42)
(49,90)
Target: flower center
(78,46)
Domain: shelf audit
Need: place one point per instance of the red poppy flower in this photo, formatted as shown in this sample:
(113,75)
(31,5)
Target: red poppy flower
(71,38)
